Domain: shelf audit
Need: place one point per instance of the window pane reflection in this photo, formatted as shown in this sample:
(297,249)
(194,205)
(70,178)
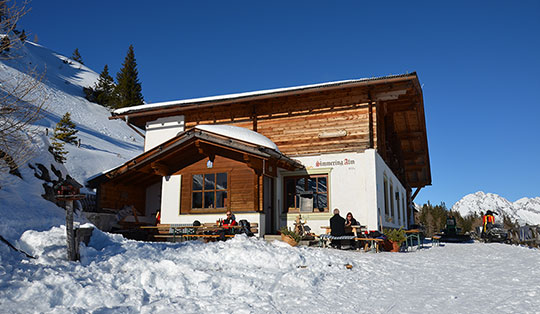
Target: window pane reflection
(321,187)
(221,199)
(197,200)
(197,182)
(221,181)
(209,199)
(209,181)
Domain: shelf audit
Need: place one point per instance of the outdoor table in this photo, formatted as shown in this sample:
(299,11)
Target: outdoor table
(411,235)
(355,229)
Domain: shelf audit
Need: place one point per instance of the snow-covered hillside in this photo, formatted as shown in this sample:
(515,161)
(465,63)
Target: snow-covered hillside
(524,211)
(104,143)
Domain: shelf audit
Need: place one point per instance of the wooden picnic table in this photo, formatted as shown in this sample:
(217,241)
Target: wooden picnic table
(189,231)
(355,229)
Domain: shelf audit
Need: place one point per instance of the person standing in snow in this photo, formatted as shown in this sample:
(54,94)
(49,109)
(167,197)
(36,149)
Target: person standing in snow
(488,221)
(337,226)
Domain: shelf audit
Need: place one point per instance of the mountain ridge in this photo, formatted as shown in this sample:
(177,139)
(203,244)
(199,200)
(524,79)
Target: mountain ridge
(525,210)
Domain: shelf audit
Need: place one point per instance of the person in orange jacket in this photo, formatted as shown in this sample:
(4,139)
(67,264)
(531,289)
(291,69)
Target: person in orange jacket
(488,221)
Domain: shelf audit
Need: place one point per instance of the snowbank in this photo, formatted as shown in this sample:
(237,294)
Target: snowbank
(246,275)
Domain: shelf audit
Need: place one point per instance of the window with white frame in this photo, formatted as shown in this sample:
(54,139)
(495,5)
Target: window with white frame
(386,205)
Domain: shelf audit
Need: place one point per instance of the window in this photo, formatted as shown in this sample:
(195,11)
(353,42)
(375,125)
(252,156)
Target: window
(209,190)
(398,200)
(404,210)
(386,208)
(392,212)
(306,193)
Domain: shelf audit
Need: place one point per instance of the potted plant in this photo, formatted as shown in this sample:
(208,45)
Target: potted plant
(290,237)
(396,237)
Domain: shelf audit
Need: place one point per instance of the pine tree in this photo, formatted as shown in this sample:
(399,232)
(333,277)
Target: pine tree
(58,151)
(128,88)
(104,88)
(65,130)
(77,56)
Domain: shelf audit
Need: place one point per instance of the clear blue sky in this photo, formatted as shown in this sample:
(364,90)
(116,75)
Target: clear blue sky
(478,62)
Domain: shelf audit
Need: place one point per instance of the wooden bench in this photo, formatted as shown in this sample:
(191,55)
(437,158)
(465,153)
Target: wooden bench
(190,232)
(371,244)
(325,239)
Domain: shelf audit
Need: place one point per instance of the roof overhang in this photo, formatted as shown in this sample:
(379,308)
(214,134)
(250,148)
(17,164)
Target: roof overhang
(139,115)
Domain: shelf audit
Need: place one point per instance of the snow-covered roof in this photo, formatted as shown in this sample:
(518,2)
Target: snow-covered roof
(239,133)
(184,102)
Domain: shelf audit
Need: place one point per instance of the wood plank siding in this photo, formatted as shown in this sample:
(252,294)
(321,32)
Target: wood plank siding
(296,123)
(241,182)
(115,196)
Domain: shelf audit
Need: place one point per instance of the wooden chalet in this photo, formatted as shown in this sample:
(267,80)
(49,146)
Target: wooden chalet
(358,145)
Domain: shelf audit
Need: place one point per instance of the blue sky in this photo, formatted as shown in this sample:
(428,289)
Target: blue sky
(478,62)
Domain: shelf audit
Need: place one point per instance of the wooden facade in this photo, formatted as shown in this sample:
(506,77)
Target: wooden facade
(188,155)
(382,113)
(385,114)
(242,185)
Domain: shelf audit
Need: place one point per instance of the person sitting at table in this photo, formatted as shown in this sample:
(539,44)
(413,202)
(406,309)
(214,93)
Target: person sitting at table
(226,225)
(337,226)
(350,221)
(229,221)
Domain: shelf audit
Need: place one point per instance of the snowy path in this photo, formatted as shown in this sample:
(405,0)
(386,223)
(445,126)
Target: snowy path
(251,276)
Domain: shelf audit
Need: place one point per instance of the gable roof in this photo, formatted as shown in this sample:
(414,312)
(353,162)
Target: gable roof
(151,164)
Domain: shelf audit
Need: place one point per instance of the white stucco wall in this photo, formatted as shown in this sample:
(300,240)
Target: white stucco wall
(351,186)
(356,185)
(170,200)
(392,221)
(162,129)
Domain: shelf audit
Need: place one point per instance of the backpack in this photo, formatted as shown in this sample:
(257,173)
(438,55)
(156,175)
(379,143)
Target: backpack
(245,227)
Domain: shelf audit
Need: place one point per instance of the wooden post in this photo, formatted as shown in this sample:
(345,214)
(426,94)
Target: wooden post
(71,249)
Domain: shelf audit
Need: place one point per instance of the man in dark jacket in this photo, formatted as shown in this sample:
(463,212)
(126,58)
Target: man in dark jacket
(337,226)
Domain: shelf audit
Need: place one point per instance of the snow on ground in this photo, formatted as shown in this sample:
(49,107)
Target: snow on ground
(247,275)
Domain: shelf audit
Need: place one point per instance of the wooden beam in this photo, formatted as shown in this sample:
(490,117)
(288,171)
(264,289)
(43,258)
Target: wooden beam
(134,128)
(371,133)
(254,163)
(415,167)
(254,118)
(160,168)
(408,155)
(415,194)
